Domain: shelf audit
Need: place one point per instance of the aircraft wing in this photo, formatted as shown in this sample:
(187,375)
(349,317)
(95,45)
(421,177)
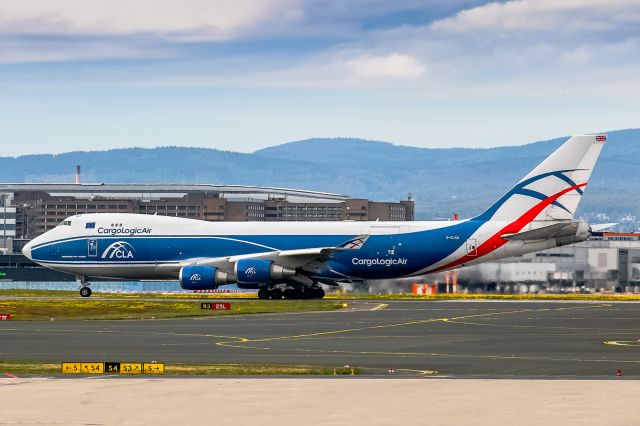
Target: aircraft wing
(292,258)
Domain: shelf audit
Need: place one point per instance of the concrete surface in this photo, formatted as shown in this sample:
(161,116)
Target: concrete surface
(343,401)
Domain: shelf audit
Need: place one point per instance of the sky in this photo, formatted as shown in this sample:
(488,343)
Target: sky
(241,75)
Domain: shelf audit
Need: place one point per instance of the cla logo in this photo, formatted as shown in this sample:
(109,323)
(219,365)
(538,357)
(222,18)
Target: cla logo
(195,277)
(250,271)
(119,250)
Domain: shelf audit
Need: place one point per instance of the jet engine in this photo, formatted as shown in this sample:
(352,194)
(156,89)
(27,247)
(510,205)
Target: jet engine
(254,271)
(581,232)
(197,277)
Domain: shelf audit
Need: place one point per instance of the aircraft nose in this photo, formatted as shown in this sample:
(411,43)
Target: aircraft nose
(26,250)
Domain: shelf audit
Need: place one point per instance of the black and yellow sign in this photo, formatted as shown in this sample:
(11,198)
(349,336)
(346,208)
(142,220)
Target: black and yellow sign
(153,368)
(112,368)
(92,367)
(71,368)
(130,368)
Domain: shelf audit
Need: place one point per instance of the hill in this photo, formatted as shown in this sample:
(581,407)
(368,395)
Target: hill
(442,181)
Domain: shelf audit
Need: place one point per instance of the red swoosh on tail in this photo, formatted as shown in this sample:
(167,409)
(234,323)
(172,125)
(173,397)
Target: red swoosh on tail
(496,241)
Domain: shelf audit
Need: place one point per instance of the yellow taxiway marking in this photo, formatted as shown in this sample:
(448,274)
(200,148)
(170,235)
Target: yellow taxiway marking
(380,307)
(623,342)
(373,327)
(241,343)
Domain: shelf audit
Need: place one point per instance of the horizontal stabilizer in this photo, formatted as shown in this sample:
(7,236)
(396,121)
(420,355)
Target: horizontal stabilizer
(545,233)
(602,226)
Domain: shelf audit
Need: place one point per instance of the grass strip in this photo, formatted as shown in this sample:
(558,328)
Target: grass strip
(69,293)
(87,309)
(460,296)
(339,295)
(267,370)
(37,368)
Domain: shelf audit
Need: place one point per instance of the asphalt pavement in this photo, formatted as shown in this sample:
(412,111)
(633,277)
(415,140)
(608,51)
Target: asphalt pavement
(443,338)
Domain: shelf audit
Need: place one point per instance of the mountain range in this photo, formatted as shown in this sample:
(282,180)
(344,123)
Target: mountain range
(441,180)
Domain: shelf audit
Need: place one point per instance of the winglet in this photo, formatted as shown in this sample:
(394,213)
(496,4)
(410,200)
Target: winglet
(354,243)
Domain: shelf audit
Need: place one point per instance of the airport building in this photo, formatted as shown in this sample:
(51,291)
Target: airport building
(7,222)
(608,261)
(32,209)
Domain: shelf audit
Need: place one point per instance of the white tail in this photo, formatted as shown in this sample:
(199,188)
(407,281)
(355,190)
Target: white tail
(552,191)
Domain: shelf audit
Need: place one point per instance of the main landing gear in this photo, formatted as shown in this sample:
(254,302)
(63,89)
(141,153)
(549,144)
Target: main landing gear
(85,291)
(301,292)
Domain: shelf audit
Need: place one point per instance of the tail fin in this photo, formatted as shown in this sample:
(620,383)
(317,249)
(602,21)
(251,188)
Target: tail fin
(552,191)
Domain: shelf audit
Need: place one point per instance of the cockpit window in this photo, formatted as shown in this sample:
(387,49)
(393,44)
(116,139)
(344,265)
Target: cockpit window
(65,223)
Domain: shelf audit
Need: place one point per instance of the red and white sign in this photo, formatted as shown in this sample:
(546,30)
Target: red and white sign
(5,317)
(221,306)
(601,138)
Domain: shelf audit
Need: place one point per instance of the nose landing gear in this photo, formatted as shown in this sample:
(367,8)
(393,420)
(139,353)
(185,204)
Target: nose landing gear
(85,291)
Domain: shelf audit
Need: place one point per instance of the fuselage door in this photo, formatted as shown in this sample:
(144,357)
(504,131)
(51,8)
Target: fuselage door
(92,247)
(472,247)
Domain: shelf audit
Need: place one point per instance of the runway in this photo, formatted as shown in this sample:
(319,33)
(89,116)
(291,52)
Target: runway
(454,339)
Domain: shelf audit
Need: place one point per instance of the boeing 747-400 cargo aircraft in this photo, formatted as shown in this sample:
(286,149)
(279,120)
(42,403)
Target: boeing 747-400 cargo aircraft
(292,259)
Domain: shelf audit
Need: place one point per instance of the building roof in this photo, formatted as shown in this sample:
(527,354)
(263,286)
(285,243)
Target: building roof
(172,190)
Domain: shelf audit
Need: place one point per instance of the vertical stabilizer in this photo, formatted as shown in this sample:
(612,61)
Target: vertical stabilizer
(551,191)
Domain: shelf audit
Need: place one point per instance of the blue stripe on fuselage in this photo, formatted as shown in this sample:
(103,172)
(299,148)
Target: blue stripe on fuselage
(382,256)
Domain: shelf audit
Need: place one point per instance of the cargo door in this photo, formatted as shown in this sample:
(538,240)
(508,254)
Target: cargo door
(472,247)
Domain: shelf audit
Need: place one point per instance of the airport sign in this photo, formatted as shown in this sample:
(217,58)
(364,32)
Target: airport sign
(71,368)
(112,367)
(127,368)
(153,368)
(216,306)
(92,367)
(130,368)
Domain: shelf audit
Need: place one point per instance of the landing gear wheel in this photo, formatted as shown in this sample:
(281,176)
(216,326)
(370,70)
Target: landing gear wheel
(276,293)
(263,293)
(317,292)
(290,293)
(85,291)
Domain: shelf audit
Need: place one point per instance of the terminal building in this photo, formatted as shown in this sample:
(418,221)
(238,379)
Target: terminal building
(606,262)
(29,210)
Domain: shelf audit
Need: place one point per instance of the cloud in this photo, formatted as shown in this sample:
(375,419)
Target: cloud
(395,65)
(543,15)
(33,50)
(173,19)
(530,45)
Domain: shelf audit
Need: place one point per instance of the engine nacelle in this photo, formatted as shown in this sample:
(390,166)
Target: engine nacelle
(582,233)
(198,277)
(253,271)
